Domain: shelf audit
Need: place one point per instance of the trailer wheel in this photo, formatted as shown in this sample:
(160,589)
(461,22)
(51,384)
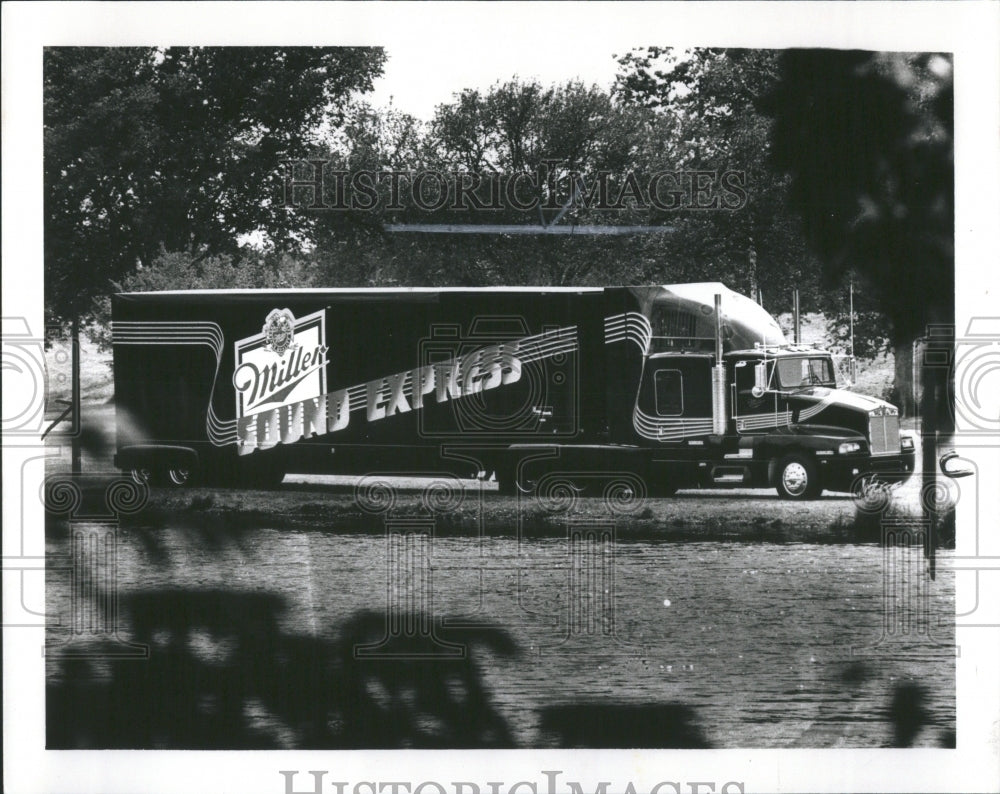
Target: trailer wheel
(178,478)
(142,476)
(795,477)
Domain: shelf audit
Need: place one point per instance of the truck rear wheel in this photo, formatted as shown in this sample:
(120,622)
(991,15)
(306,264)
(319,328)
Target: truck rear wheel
(795,477)
(178,478)
(159,476)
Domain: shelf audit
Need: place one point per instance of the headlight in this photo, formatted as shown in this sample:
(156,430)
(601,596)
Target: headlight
(906,442)
(849,446)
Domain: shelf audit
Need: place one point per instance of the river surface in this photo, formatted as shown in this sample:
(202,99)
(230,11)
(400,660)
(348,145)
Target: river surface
(760,645)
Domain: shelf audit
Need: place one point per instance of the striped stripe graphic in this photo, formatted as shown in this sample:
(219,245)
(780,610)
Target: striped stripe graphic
(658,428)
(628,327)
(206,334)
(764,421)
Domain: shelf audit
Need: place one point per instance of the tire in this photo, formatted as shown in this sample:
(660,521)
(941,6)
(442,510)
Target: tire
(178,478)
(154,476)
(796,478)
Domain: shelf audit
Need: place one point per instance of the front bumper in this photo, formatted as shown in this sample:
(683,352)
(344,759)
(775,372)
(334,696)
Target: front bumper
(840,473)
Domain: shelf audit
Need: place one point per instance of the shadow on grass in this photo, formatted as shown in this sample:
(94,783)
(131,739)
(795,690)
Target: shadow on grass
(221,674)
(868,526)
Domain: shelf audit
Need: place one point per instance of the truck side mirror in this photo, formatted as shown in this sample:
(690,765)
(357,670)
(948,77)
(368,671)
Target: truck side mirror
(759,380)
(958,469)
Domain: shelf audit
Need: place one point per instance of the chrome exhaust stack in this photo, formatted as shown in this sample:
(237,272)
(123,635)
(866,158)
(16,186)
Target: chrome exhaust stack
(719,418)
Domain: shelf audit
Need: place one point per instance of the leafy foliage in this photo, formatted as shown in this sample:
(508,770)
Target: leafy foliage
(713,98)
(182,271)
(179,149)
(882,205)
(551,134)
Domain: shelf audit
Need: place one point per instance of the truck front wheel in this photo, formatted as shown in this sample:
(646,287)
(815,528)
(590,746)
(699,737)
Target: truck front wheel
(795,477)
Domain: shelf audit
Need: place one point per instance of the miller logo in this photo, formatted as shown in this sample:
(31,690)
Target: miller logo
(279,331)
(284,364)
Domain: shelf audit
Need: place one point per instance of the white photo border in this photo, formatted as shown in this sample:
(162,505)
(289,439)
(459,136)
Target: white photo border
(967,29)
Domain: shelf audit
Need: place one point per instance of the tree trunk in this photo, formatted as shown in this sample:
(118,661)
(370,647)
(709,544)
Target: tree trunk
(904,380)
(936,424)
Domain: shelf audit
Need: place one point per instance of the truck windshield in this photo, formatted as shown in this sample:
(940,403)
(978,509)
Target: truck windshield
(797,373)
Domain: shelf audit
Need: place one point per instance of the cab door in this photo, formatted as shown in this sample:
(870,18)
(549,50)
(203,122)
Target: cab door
(752,413)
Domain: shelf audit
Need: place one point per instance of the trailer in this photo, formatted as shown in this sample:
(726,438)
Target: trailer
(664,387)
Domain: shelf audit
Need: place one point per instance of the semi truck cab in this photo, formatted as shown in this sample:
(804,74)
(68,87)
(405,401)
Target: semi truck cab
(787,425)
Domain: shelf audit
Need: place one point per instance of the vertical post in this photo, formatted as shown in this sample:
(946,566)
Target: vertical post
(851,302)
(796,320)
(718,376)
(77,412)
(936,368)
(854,374)
(718,330)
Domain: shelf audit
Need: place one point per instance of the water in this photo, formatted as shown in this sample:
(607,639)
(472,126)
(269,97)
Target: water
(765,645)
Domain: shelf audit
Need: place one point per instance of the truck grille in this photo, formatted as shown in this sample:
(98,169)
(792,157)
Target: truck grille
(884,434)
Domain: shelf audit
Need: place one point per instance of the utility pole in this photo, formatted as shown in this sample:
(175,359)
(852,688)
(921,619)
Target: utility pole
(796,319)
(854,374)
(75,396)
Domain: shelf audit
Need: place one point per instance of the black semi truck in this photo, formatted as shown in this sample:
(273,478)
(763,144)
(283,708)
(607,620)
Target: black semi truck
(675,386)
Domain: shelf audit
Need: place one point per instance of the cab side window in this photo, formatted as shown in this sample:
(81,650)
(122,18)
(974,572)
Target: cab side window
(745,380)
(669,392)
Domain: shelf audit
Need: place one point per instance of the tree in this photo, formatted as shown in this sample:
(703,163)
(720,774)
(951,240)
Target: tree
(714,98)
(178,149)
(513,129)
(868,140)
